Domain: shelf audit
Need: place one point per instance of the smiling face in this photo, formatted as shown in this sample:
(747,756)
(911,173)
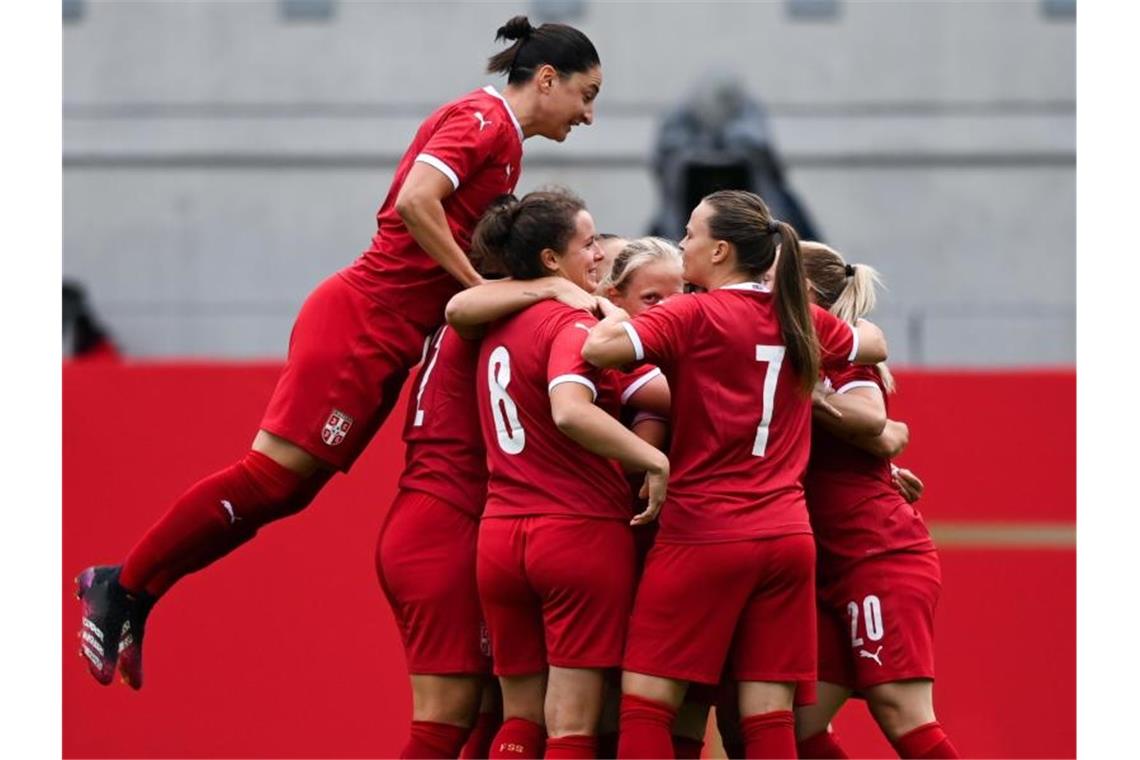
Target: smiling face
(582,257)
(648,286)
(567,101)
(697,247)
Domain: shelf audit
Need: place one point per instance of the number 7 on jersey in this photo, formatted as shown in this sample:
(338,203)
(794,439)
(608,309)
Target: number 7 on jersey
(773,356)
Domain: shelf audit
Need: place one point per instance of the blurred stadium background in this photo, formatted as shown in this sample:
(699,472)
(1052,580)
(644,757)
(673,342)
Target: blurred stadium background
(220,158)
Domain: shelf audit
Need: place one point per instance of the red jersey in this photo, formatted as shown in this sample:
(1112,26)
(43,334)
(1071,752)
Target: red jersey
(443,453)
(856,512)
(740,424)
(535,469)
(477,143)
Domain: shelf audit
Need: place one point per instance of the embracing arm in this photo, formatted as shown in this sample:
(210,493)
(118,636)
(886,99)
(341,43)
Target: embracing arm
(609,344)
(861,411)
(872,343)
(888,444)
(470,309)
(420,205)
(592,428)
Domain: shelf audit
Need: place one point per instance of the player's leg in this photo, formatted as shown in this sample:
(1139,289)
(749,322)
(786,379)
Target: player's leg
(775,648)
(486,723)
(583,570)
(895,597)
(573,707)
(665,651)
(814,737)
(426,564)
(306,433)
(514,621)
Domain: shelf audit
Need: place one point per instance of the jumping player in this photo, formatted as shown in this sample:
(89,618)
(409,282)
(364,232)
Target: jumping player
(358,334)
(555,558)
(879,577)
(740,360)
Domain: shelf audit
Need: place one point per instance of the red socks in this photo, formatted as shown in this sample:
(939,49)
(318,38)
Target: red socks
(822,746)
(645,728)
(572,747)
(479,741)
(928,741)
(685,748)
(518,738)
(434,740)
(771,734)
(214,517)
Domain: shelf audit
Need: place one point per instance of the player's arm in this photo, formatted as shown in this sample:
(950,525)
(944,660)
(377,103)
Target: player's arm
(610,342)
(591,427)
(469,310)
(652,429)
(872,343)
(420,204)
(862,413)
(888,444)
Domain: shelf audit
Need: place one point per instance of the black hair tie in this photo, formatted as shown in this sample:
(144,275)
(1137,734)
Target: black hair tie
(773,227)
(849,270)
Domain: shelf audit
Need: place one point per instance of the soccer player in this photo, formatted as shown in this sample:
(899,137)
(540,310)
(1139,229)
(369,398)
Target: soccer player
(358,333)
(740,360)
(555,558)
(879,577)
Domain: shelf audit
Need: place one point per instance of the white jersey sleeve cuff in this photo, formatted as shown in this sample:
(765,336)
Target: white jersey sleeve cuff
(857,384)
(639,384)
(430,160)
(635,339)
(854,343)
(573,379)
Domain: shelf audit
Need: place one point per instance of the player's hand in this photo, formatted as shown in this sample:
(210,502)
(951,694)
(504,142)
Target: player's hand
(608,309)
(819,402)
(908,483)
(573,296)
(652,489)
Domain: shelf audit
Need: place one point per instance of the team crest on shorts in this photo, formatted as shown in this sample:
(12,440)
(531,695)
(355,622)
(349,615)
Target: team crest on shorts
(336,427)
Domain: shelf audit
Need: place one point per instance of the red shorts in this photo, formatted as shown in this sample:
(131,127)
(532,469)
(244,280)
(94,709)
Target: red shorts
(348,359)
(751,603)
(555,590)
(876,622)
(425,560)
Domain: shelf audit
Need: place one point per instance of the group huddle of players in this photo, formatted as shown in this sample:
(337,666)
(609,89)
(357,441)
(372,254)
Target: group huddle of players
(627,501)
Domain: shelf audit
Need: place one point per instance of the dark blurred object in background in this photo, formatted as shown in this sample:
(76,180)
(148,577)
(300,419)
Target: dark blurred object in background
(719,139)
(83,337)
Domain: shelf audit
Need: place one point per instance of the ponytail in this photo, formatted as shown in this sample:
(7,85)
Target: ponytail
(846,290)
(561,46)
(793,308)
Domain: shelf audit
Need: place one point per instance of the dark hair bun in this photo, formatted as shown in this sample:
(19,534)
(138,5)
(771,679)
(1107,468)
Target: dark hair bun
(518,28)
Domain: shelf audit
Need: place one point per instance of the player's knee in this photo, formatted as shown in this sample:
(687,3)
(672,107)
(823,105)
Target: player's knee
(456,704)
(898,711)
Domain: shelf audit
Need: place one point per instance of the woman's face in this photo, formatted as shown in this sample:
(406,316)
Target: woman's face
(568,102)
(580,262)
(649,286)
(697,247)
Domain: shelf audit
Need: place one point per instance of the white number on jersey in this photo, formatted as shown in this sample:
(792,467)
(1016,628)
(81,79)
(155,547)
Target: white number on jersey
(419,420)
(508,429)
(774,357)
(872,619)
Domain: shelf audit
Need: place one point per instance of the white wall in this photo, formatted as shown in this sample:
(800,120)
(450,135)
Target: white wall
(219,160)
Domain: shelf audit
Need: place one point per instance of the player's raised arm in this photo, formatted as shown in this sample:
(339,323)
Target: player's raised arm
(610,343)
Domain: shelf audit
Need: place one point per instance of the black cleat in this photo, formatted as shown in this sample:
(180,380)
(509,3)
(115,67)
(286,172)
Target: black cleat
(131,641)
(106,606)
